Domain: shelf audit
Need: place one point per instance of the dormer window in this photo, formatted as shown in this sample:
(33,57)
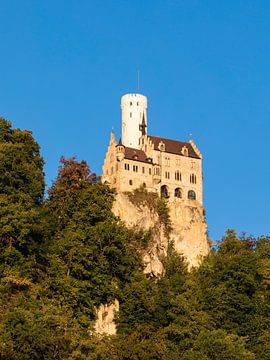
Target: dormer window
(184,151)
(135,157)
(161,146)
(149,160)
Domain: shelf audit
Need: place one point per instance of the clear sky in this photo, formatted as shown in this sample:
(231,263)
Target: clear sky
(204,67)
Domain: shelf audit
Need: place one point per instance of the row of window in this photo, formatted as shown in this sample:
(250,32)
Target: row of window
(177,193)
(135,168)
(177,175)
(131,103)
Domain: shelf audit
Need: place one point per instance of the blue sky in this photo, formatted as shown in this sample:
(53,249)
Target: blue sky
(204,66)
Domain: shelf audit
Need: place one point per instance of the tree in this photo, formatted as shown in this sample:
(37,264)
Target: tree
(21,166)
(21,193)
(91,254)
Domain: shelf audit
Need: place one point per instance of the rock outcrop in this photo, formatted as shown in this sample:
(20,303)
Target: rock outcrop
(105,324)
(188,229)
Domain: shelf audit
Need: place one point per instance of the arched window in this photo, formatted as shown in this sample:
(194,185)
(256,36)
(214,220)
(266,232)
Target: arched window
(177,193)
(144,185)
(164,191)
(191,195)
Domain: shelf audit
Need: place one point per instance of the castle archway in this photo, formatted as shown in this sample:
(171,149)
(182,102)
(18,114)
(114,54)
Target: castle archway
(178,193)
(191,195)
(164,191)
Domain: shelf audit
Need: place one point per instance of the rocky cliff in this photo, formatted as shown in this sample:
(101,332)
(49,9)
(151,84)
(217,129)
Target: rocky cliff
(188,227)
(185,225)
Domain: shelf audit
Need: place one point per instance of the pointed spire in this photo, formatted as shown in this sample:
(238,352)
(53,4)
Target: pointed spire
(143,126)
(112,136)
(120,141)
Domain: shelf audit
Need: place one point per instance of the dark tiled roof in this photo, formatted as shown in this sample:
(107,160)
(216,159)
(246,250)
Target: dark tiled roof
(135,154)
(173,146)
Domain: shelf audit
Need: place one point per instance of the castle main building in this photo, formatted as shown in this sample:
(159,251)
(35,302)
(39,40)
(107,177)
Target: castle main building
(171,168)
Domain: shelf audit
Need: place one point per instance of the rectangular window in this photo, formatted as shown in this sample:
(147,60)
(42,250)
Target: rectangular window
(150,171)
(167,161)
(126,166)
(143,169)
(135,168)
(178,175)
(167,174)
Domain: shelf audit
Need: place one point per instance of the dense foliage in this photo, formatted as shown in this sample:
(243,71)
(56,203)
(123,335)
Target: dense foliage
(63,256)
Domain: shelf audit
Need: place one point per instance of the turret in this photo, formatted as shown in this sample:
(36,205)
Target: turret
(134,119)
(120,151)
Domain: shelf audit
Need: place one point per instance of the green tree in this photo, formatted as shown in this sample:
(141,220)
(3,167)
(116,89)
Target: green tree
(217,345)
(21,192)
(92,252)
(21,165)
(229,279)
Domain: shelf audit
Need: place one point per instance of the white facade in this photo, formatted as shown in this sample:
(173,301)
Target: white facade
(134,108)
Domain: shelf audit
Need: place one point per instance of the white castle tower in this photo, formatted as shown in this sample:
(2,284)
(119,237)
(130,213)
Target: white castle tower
(134,119)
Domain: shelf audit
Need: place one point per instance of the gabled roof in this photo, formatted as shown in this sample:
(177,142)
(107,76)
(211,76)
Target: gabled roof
(135,154)
(173,146)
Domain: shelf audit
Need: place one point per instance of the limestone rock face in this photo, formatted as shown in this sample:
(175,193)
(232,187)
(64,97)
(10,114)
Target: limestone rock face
(105,324)
(144,217)
(188,233)
(188,230)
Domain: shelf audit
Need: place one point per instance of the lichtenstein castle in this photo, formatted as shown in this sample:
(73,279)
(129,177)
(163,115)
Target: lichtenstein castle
(170,168)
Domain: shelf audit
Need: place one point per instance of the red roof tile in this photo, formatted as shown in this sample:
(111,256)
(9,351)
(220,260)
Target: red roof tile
(173,146)
(135,154)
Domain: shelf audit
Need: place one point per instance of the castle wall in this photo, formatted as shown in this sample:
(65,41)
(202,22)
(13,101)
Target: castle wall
(174,171)
(135,174)
(177,172)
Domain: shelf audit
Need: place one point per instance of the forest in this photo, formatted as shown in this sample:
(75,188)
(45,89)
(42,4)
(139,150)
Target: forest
(63,253)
